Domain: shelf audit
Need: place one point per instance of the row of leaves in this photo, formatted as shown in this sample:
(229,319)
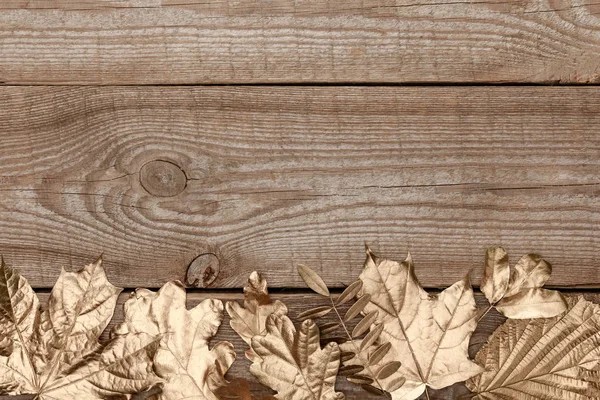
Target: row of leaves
(406,340)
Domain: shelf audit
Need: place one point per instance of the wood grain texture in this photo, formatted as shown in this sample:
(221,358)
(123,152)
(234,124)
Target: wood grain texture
(299,302)
(260,41)
(277,176)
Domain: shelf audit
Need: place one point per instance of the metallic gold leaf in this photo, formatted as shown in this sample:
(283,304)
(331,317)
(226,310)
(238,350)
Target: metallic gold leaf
(364,324)
(428,335)
(314,313)
(190,369)
(18,309)
(313,280)
(357,307)
(56,354)
(543,359)
(250,320)
(496,274)
(238,389)
(521,296)
(329,327)
(349,293)
(293,363)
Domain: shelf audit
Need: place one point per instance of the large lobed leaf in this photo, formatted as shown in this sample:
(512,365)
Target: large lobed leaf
(543,359)
(189,368)
(519,294)
(250,320)
(55,354)
(429,335)
(293,363)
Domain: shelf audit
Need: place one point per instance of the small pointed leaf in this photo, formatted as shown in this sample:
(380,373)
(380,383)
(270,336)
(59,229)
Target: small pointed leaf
(313,280)
(349,293)
(357,307)
(364,324)
(314,313)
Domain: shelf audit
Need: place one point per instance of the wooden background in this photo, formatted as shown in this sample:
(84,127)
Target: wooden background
(203,140)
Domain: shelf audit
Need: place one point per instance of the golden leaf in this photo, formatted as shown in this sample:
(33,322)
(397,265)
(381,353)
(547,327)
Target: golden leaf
(55,354)
(239,389)
(190,369)
(250,320)
(519,294)
(543,359)
(429,335)
(293,363)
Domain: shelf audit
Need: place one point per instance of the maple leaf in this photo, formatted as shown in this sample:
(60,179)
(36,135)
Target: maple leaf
(543,359)
(190,369)
(429,335)
(293,363)
(55,354)
(519,294)
(238,389)
(250,320)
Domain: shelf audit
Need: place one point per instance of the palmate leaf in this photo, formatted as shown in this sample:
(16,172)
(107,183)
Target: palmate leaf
(519,294)
(429,335)
(189,368)
(293,363)
(55,354)
(543,359)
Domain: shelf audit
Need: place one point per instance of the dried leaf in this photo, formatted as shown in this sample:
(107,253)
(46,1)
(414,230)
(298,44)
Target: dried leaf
(371,337)
(250,320)
(349,293)
(190,369)
(364,324)
(357,307)
(388,369)
(496,274)
(238,389)
(428,335)
(314,313)
(313,280)
(293,363)
(55,354)
(329,327)
(543,359)
(521,296)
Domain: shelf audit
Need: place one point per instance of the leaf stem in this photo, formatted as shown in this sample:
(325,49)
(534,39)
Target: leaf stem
(427,393)
(485,313)
(365,362)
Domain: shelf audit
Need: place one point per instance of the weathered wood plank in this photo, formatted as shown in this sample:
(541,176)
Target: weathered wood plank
(300,302)
(264,178)
(257,41)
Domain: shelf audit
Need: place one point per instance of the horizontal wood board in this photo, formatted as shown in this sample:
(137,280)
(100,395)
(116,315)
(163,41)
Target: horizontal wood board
(264,178)
(299,302)
(286,41)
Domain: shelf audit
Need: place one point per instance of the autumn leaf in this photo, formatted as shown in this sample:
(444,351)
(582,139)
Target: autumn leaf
(519,294)
(239,389)
(364,369)
(429,335)
(293,363)
(55,354)
(250,320)
(543,359)
(190,369)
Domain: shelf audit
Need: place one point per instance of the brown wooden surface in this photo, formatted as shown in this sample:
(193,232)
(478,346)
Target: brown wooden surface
(299,302)
(264,178)
(268,41)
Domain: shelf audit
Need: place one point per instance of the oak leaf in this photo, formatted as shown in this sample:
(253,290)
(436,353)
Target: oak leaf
(429,335)
(520,294)
(189,368)
(293,363)
(55,353)
(543,359)
(250,320)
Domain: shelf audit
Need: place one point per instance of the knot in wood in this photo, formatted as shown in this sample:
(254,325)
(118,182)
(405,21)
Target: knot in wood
(203,270)
(162,178)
